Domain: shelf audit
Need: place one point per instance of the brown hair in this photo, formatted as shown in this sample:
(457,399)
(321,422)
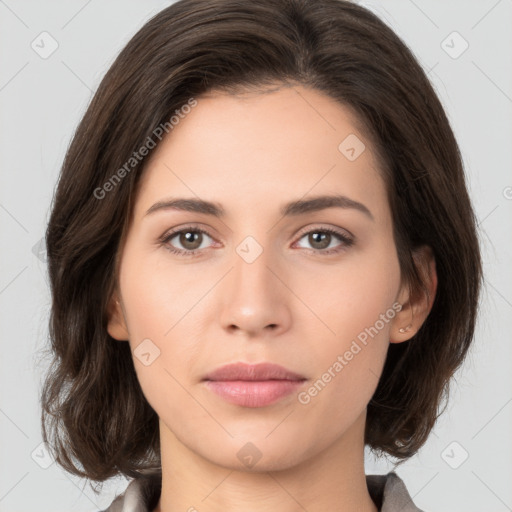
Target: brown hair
(95,416)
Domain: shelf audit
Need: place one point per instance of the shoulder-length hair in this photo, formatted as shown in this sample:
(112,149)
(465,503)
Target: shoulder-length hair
(94,415)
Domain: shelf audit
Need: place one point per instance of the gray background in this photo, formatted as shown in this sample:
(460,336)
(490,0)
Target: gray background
(41,102)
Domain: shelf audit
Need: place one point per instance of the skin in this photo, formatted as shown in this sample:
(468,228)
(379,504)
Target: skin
(292,305)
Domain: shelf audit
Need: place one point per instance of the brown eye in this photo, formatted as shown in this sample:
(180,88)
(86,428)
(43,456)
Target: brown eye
(187,241)
(320,240)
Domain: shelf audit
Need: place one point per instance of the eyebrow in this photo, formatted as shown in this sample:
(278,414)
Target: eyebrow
(290,209)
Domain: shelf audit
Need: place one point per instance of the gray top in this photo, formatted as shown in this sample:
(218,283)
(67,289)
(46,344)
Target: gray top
(387,491)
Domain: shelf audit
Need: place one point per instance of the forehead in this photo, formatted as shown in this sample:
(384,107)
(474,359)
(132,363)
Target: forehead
(251,148)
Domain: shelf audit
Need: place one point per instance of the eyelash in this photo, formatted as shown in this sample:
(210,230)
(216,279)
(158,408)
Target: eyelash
(346,241)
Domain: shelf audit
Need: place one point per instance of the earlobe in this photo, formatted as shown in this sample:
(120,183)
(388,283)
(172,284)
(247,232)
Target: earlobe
(405,329)
(416,306)
(402,327)
(116,325)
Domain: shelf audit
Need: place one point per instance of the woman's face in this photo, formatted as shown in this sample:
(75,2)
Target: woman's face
(267,282)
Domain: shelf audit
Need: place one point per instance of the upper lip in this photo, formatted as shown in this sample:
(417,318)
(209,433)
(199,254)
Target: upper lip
(253,372)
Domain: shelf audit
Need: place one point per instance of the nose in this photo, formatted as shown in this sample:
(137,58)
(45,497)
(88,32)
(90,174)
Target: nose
(255,298)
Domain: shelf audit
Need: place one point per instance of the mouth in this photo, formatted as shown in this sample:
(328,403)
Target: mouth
(253,385)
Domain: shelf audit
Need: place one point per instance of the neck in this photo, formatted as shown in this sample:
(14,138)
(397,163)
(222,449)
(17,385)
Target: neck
(332,479)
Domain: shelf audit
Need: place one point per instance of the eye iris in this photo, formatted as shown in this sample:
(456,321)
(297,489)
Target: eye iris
(190,237)
(324,242)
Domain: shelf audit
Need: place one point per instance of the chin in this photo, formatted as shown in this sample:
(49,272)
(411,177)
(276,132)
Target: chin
(256,454)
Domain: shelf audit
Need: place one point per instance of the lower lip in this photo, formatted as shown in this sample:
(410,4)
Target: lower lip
(253,393)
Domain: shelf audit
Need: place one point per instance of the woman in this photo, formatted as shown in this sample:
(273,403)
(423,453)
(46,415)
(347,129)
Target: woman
(263,258)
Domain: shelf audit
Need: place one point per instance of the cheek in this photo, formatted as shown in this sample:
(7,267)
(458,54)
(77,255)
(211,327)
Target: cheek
(348,363)
(160,303)
(351,297)
(156,296)
(355,304)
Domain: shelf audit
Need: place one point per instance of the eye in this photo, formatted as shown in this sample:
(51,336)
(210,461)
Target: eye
(191,239)
(321,239)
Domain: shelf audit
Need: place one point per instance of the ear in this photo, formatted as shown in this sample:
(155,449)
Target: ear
(116,325)
(416,306)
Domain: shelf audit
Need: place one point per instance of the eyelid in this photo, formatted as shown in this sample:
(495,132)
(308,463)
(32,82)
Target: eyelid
(323,227)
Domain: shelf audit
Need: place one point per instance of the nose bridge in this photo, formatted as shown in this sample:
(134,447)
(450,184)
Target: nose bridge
(254,297)
(251,272)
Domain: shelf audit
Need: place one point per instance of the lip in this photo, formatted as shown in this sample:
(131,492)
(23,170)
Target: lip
(253,372)
(253,385)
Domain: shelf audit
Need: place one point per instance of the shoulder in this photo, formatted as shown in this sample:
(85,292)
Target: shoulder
(389,493)
(141,495)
